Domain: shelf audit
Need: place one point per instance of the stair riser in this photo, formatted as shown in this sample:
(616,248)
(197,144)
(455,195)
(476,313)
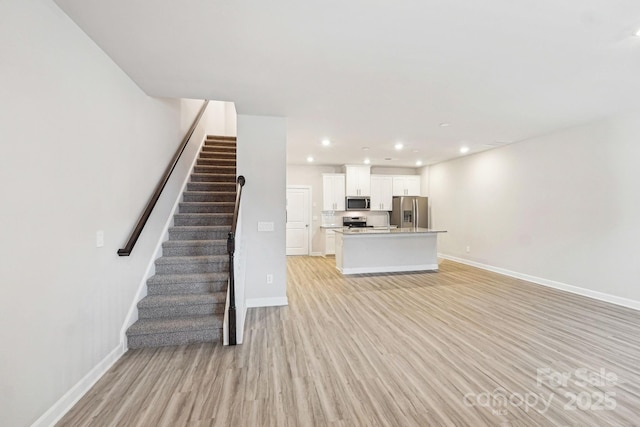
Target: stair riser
(180,311)
(212,145)
(215,169)
(218,155)
(211,186)
(187,288)
(213,178)
(198,235)
(220,142)
(193,220)
(174,338)
(206,208)
(209,197)
(216,162)
(195,250)
(192,268)
(219,149)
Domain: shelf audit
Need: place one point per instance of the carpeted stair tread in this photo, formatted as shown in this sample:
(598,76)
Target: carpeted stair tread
(182,260)
(222,137)
(172,248)
(219,147)
(214,169)
(206,207)
(186,297)
(228,186)
(218,155)
(213,177)
(222,193)
(180,243)
(215,142)
(206,214)
(203,228)
(169,279)
(177,324)
(182,299)
(211,205)
(203,219)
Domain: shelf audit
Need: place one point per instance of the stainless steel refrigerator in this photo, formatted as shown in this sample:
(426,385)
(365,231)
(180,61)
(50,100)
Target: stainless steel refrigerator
(410,212)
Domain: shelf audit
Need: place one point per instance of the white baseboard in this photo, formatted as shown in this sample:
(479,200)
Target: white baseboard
(600,296)
(71,397)
(316,254)
(267,302)
(400,269)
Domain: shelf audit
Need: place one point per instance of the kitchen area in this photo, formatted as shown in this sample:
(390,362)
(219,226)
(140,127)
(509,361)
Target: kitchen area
(372,219)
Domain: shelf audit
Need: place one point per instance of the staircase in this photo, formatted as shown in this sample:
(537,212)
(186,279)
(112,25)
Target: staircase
(186,297)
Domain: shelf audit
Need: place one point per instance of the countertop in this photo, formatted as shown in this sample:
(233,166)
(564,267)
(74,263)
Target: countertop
(364,231)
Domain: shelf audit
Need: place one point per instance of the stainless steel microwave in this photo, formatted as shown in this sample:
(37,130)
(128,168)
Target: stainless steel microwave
(358,203)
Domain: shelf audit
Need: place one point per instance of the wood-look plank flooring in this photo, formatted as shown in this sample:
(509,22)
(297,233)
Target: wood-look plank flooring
(460,347)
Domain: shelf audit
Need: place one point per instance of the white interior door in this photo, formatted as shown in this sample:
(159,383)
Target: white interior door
(298,220)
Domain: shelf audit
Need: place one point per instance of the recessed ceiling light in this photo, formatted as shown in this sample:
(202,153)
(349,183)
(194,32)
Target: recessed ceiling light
(326,142)
(419,163)
(638,33)
(367,161)
(399,146)
(365,148)
(464,150)
(416,151)
(309,159)
(445,125)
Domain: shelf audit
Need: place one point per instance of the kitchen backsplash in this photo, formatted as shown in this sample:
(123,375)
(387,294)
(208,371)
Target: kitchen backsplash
(374,218)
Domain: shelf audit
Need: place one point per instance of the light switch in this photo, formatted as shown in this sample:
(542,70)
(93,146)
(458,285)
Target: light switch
(265,226)
(99,239)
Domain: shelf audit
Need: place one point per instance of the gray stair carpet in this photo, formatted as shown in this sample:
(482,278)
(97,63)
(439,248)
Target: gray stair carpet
(186,297)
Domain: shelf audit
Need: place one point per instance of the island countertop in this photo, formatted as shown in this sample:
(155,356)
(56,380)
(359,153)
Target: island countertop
(395,231)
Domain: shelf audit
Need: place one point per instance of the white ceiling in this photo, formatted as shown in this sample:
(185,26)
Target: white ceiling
(370,73)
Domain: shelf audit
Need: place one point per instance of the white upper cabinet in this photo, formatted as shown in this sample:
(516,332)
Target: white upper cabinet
(358,180)
(406,185)
(381,192)
(333,191)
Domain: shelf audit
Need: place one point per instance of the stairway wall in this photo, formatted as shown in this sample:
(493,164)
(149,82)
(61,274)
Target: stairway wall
(262,146)
(81,149)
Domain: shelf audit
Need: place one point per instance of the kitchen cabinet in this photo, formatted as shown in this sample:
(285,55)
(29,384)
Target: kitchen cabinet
(329,241)
(333,186)
(358,180)
(381,192)
(406,185)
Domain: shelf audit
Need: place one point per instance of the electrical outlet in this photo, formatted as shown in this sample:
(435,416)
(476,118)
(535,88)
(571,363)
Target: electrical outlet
(269,279)
(468,249)
(99,239)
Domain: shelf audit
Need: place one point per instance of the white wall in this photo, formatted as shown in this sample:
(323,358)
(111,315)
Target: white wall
(262,143)
(312,175)
(220,118)
(564,207)
(424,181)
(82,148)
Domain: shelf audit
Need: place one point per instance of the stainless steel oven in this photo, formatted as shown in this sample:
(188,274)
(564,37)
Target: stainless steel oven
(358,203)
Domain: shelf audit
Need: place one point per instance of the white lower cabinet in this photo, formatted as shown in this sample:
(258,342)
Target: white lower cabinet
(329,241)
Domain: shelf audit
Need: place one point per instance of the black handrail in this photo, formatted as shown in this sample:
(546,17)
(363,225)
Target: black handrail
(142,221)
(231,248)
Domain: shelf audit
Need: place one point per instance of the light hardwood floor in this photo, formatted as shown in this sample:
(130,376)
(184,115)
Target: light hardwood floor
(422,349)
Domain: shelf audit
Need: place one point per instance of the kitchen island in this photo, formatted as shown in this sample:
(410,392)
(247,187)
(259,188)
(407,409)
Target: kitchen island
(362,250)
